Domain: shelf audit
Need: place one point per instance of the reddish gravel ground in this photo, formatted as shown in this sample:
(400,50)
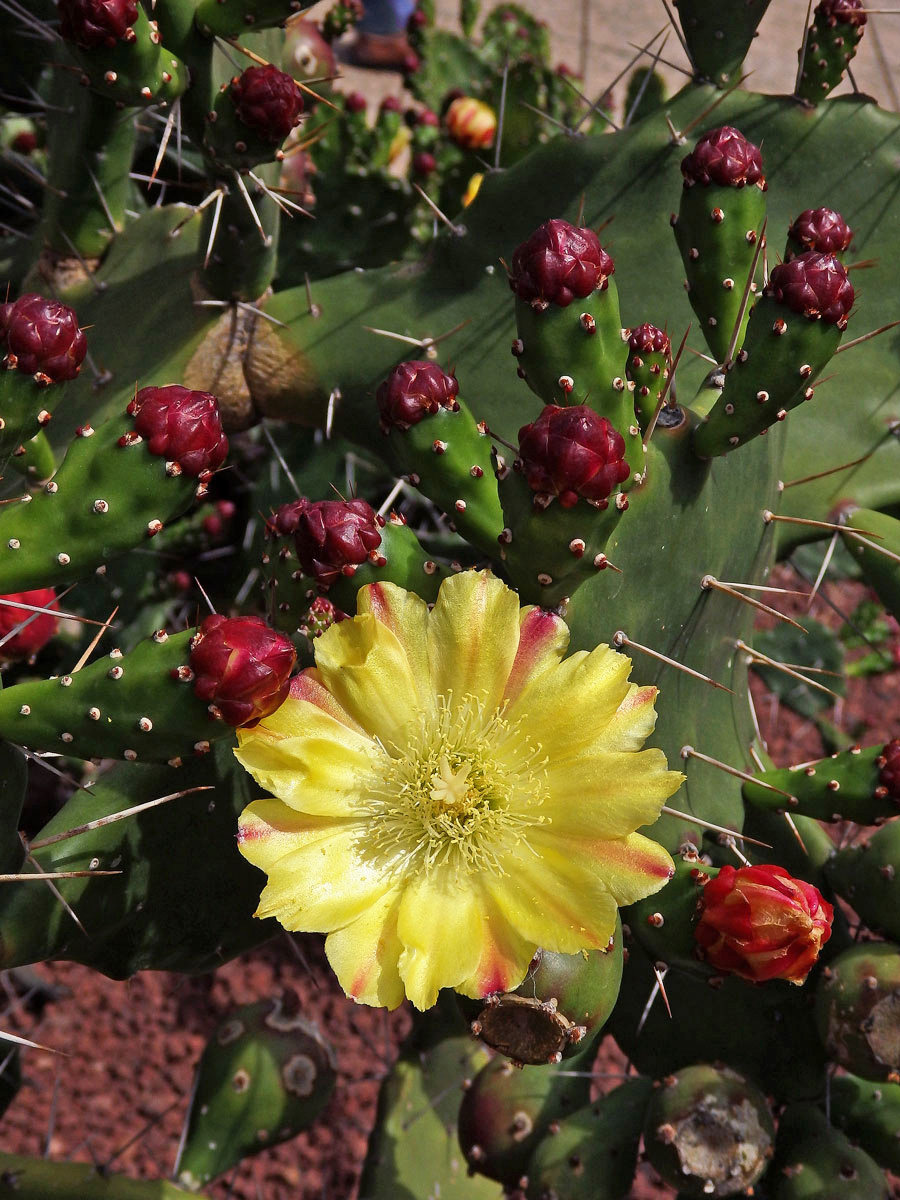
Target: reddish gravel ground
(132,1046)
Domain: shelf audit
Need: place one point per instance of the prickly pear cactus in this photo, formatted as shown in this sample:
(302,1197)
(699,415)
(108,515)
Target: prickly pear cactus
(284,411)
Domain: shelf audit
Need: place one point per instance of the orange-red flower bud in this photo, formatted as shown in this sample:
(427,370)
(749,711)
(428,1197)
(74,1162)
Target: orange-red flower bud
(760,923)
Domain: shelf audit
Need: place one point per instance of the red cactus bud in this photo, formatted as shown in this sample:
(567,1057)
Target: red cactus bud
(889,772)
(411,63)
(471,123)
(355,102)
(840,12)
(412,391)
(390,104)
(426,117)
(424,163)
(242,667)
(647,339)
(760,923)
(815,285)
(42,337)
(321,615)
(182,426)
(268,101)
(93,23)
(37,633)
(24,142)
(559,263)
(821,229)
(333,537)
(723,156)
(572,452)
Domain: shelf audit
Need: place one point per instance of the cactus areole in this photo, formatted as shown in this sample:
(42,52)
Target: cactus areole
(42,338)
(815,285)
(412,391)
(888,763)
(723,156)
(572,453)
(181,426)
(559,264)
(242,668)
(268,101)
(93,23)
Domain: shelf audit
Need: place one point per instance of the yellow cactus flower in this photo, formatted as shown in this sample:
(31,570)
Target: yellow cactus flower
(449,793)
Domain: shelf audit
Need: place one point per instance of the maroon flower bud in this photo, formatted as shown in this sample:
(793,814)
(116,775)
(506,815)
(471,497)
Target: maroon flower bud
(840,12)
(37,633)
(268,101)
(427,117)
(647,339)
(424,163)
(888,763)
(333,537)
(417,20)
(355,102)
(821,229)
(242,667)
(412,391)
(321,615)
(559,263)
(390,104)
(182,426)
(24,142)
(411,63)
(723,156)
(572,452)
(93,23)
(815,285)
(42,338)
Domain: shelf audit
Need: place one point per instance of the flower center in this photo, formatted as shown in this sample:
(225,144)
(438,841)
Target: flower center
(456,793)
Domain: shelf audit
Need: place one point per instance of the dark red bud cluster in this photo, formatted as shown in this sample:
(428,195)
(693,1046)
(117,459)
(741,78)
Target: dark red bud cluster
(558,264)
(647,339)
(242,667)
(572,452)
(424,163)
(889,772)
(390,104)
(355,102)
(42,338)
(821,229)
(94,23)
(268,101)
(723,156)
(412,391)
(321,615)
(40,629)
(181,426)
(332,537)
(815,285)
(840,12)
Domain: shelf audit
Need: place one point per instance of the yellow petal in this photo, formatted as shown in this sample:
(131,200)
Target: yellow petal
(628,868)
(364,955)
(566,707)
(308,685)
(633,721)
(543,638)
(365,667)
(505,956)
(441,925)
(317,880)
(319,772)
(607,795)
(553,901)
(473,634)
(406,615)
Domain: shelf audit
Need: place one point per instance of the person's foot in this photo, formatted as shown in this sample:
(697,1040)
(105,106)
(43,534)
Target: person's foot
(383,51)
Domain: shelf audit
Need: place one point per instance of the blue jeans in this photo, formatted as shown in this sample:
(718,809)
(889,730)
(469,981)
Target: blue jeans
(386,16)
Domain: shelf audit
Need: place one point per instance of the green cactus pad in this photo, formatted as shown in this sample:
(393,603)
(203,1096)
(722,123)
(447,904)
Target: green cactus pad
(185,896)
(139,706)
(858,1010)
(231,18)
(139,72)
(265,1075)
(814,1161)
(24,1178)
(830,46)
(592,1154)
(664,923)
(869,1114)
(844,787)
(866,875)
(878,555)
(718,38)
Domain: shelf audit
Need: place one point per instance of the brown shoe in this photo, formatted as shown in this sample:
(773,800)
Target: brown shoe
(382,51)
